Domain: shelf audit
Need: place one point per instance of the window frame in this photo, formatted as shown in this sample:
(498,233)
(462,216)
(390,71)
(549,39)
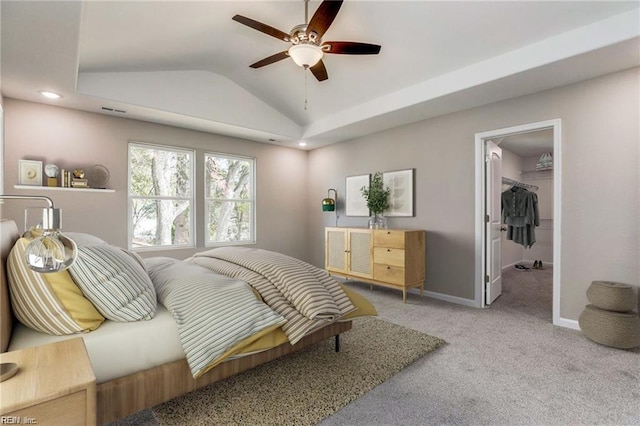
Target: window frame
(252,200)
(191,199)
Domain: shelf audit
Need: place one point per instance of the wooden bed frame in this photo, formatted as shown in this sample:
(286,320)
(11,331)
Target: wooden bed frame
(126,395)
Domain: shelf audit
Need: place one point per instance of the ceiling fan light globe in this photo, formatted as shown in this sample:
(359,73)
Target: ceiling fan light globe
(305,55)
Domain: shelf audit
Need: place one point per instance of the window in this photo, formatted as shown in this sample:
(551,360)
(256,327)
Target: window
(161,202)
(229,199)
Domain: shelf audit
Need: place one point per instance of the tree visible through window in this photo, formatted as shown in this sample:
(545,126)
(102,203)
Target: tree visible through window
(160,196)
(229,199)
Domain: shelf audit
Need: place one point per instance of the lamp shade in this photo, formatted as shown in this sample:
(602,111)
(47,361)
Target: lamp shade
(50,252)
(305,55)
(328,205)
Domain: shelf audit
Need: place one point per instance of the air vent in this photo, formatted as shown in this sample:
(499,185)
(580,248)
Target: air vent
(120,111)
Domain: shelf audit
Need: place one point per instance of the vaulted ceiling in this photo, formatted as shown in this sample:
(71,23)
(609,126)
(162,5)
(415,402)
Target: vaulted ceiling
(187,63)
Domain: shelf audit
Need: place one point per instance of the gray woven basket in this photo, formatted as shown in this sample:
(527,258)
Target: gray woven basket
(616,329)
(611,296)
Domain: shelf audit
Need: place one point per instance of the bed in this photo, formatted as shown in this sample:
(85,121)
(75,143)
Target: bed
(139,364)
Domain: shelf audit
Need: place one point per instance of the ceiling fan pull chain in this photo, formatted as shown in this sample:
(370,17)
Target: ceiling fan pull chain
(305,87)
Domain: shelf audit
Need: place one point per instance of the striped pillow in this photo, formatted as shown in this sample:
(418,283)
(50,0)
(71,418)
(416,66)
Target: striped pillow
(115,282)
(50,303)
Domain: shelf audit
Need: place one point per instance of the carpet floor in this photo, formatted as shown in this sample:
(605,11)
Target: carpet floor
(505,365)
(304,387)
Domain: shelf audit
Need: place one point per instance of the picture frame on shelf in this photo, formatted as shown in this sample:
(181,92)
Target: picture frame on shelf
(30,172)
(401,183)
(355,203)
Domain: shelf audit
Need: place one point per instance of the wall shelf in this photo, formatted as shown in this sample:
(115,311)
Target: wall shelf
(58,188)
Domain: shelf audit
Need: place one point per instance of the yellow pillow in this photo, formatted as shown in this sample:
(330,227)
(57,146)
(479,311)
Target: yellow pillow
(51,303)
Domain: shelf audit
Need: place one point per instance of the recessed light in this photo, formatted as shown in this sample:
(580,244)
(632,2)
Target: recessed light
(302,143)
(50,95)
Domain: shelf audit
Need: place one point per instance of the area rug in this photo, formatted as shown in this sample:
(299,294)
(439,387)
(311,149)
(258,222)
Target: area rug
(304,387)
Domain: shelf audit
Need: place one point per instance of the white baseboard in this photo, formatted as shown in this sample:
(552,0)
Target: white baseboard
(568,323)
(543,263)
(527,262)
(445,297)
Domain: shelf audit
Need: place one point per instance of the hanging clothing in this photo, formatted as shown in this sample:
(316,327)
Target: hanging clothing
(520,214)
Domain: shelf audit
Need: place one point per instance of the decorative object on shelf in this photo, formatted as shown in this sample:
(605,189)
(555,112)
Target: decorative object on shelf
(52,171)
(401,197)
(78,180)
(51,251)
(98,176)
(65,178)
(545,162)
(377,197)
(30,172)
(329,204)
(355,205)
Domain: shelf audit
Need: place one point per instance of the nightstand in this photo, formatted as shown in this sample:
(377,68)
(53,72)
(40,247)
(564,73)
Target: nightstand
(55,385)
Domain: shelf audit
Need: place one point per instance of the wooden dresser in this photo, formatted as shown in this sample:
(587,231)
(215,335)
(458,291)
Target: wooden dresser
(388,257)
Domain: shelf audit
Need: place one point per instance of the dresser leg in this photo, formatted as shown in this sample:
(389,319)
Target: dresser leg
(337,343)
(404,295)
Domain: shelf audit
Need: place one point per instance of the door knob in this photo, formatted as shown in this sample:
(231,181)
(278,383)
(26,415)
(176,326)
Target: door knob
(503,228)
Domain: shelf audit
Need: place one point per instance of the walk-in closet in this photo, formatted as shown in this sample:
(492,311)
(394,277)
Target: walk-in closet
(527,223)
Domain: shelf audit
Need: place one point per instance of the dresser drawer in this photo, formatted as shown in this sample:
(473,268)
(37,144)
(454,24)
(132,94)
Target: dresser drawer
(388,256)
(388,238)
(388,273)
(67,410)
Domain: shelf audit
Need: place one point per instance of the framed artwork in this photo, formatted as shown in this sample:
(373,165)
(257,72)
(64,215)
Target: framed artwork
(30,172)
(401,198)
(356,205)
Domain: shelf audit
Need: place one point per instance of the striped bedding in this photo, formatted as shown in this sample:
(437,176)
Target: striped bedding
(217,316)
(308,297)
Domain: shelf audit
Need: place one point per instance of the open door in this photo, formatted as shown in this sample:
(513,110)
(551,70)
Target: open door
(493,220)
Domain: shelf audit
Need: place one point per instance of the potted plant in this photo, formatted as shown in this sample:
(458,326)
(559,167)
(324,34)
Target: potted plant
(377,197)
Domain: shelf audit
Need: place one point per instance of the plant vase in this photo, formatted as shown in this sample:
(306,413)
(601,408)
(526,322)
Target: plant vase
(377,221)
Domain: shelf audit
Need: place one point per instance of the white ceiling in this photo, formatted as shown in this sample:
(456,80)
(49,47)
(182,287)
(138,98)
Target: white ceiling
(528,144)
(187,63)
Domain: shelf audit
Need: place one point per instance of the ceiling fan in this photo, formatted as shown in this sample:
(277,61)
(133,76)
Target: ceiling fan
(307,46)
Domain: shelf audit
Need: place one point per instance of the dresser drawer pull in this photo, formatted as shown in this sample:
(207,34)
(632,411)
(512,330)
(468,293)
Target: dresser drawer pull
(388,267)
(388,250)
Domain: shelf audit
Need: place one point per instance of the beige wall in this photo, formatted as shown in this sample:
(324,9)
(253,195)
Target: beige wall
(600,186)
(72,139)
(543,248)
(600,183)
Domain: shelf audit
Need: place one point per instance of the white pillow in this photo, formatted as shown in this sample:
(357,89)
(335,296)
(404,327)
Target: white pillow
(115,282)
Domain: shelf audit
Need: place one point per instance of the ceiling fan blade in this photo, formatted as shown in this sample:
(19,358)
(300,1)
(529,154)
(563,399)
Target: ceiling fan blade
(319,71)
(350,48)
(324,16)
(271,59)
(263,28)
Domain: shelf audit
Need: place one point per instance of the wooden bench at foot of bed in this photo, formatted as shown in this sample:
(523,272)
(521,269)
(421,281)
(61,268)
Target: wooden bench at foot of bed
(126,395)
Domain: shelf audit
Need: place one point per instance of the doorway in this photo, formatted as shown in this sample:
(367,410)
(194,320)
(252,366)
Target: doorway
(489,158)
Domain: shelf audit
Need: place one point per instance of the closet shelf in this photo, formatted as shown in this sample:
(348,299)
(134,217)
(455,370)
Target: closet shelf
(58,188)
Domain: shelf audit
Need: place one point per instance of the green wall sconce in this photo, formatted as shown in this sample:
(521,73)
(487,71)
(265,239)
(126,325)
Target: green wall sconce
(329,204)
